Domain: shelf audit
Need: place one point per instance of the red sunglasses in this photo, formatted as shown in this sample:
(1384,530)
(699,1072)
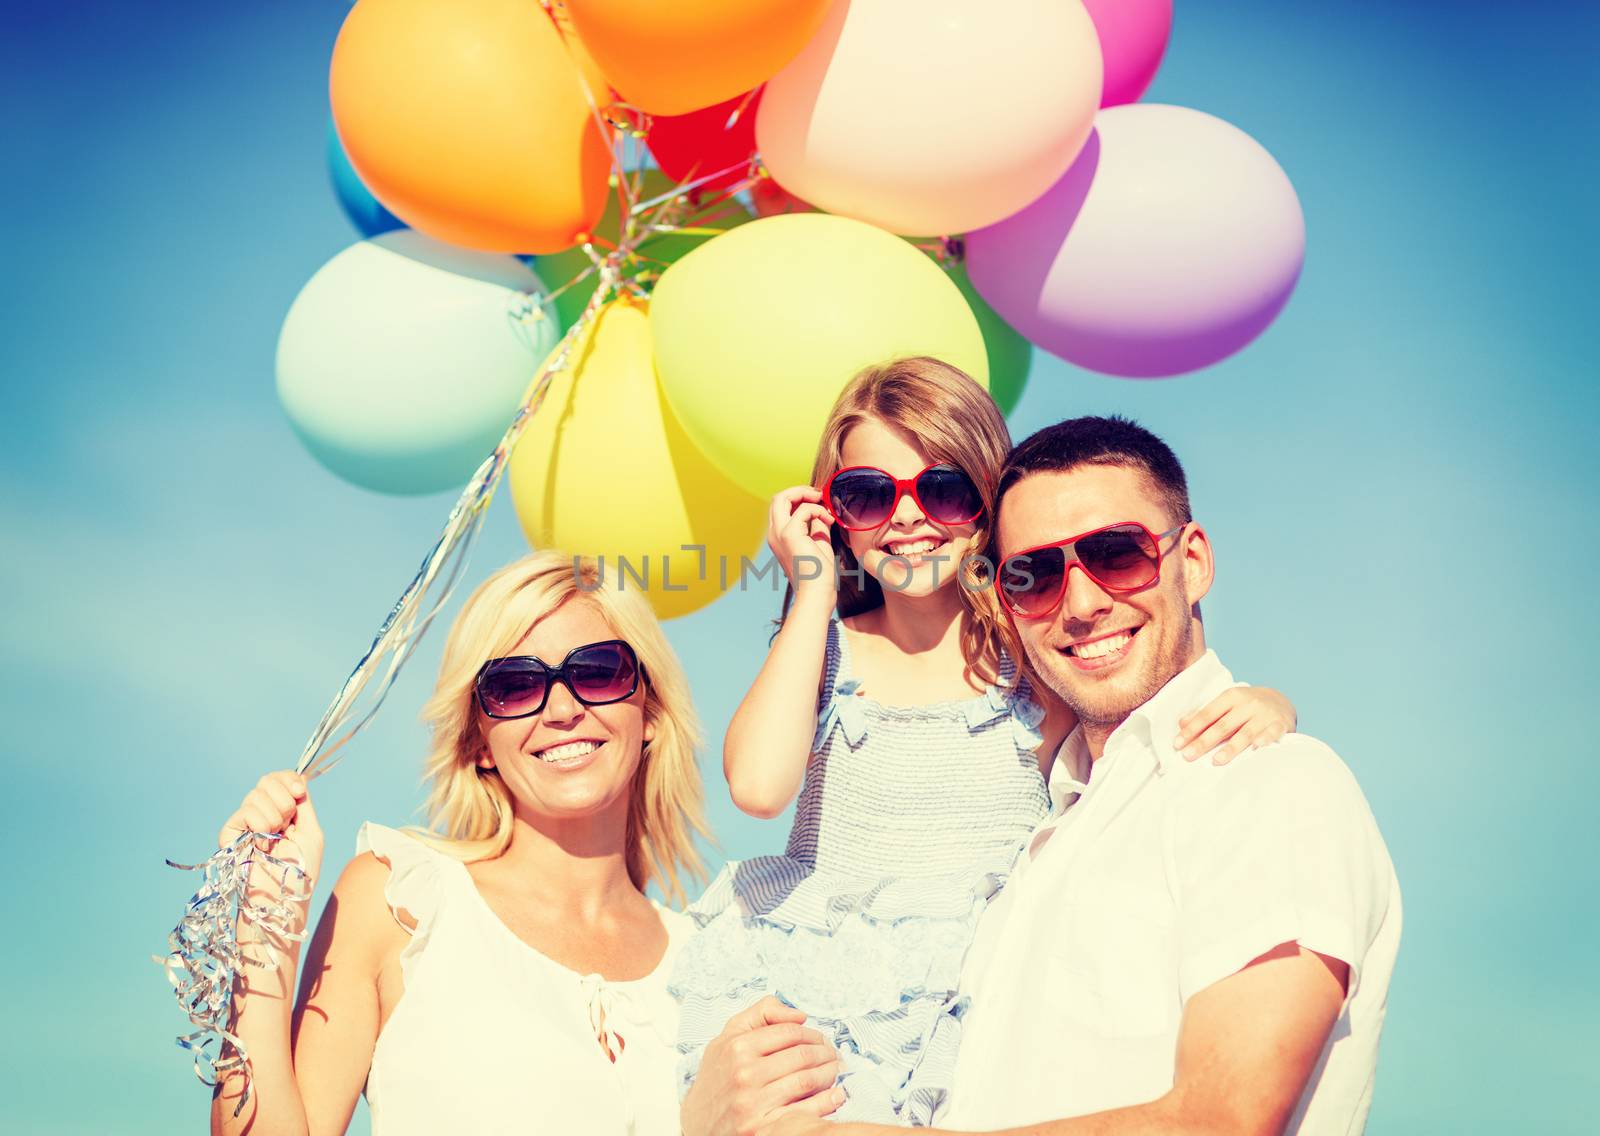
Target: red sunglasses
(864,497)
(1123,557)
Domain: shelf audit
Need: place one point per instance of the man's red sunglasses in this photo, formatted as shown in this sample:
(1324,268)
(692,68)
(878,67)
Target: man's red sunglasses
(1123,557)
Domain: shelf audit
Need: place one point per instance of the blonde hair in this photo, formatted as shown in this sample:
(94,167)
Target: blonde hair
(953,420)
(469,809)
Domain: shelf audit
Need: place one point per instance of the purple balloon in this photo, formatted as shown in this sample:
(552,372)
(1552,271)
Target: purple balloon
(1172,242)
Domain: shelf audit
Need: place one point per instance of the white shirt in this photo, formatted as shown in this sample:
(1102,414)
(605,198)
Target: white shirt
(491,1036)
(1162,878)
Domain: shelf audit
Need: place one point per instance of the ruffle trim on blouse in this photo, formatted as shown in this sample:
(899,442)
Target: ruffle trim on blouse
(415,883)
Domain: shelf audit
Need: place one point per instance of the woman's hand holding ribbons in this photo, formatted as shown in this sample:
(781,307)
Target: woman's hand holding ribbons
(285,868)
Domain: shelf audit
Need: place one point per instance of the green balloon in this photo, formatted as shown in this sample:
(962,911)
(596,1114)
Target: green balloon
(1010,355)
(655,253)
(757,331)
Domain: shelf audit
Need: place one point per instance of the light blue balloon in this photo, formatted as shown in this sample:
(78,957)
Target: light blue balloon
(403,360)
(365,211)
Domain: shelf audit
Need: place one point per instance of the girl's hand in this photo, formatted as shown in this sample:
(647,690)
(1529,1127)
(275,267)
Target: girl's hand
(280,803)
(1233,722)
(800,535)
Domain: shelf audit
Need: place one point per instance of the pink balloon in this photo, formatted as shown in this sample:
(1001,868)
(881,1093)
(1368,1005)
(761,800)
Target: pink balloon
(1133,38)
(1173,241)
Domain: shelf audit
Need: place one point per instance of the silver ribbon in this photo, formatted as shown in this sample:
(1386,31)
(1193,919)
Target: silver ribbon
(205,959)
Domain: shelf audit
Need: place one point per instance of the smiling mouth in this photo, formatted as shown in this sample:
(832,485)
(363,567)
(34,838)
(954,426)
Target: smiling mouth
(567,752)
(1107,650)
(913,549)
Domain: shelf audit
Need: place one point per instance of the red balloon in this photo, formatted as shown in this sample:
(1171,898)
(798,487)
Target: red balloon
(772,200)
(689,146)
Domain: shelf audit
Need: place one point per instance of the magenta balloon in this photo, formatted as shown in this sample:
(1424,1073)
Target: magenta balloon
(1172,242)
(1133,38)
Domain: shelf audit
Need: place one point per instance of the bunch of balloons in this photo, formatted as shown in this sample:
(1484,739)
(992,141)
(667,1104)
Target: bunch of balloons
(714,212)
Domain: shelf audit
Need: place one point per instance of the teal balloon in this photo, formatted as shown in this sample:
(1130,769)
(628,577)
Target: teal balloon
(365,211)
(1010,353)
(403,360)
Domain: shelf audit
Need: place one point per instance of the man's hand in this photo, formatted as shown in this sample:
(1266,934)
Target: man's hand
(793,1125)
(763,1066)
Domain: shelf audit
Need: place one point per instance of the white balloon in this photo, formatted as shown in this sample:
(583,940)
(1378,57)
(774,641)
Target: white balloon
(403,360)
(933,116)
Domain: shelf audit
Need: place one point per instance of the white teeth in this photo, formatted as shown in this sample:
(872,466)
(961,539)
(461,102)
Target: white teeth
(1100,648)
(567,751)
(913,547)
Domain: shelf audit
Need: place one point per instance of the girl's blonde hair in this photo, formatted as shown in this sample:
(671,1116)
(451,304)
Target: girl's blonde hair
(469,809)
(953,420)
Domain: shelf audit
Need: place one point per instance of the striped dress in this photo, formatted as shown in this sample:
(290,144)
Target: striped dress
(907,824)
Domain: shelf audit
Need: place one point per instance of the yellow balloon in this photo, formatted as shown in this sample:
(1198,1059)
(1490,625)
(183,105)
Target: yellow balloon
(758,330)
(604,470)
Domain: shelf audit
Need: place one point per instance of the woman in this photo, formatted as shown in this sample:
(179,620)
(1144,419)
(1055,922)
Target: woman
(504,971)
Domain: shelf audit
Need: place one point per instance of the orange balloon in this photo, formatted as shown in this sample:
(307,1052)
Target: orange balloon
(470,122)
(677,56)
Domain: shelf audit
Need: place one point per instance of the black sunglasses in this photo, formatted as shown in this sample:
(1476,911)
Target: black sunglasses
(596,674)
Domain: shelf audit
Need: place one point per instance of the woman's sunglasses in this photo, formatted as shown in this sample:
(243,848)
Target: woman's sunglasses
(864,497)
(596,674)
(1120,558)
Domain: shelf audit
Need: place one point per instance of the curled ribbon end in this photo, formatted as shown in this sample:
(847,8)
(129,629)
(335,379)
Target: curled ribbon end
(204,956)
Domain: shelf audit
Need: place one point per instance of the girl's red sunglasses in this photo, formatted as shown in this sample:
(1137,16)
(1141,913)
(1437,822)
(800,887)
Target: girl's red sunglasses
(864,497)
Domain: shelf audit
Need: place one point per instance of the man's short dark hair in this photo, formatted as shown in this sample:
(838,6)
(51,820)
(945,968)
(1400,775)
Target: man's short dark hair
(1101,441)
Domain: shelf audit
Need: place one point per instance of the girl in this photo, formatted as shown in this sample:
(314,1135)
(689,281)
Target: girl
(505,970)
(920,753)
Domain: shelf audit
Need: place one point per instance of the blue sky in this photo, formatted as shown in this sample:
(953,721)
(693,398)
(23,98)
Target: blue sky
(1398,479)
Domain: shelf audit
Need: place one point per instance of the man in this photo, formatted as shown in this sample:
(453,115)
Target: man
(1182,948)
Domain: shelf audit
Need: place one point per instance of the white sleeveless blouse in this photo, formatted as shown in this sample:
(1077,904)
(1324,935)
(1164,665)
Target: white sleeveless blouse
(492,1036)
